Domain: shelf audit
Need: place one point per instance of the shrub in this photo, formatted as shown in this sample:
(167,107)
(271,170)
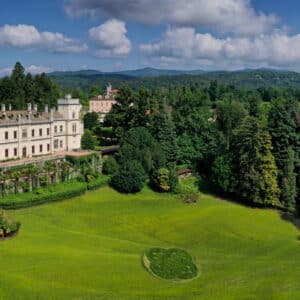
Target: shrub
(8,226)
(160,180)
(190,198)
(52,193)
(80,178)
(98,182)
(110,166)
(164,180)
(131,177)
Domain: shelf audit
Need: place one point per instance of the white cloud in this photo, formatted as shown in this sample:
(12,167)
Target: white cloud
(236,16)
(27,36)
(33,69)
(186,47)
(5,71)
(111,38)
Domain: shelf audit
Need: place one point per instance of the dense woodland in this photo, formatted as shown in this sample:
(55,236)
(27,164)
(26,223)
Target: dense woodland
(244,143)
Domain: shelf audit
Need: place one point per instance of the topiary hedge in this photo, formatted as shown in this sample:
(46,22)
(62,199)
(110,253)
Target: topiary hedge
(52,193)
(170,264)
(98,183)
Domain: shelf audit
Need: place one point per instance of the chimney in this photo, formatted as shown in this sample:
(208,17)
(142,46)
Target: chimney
(46,108)
(68,97)
(51,114)
(3,107)
(29,106)
(35,107)
(9,107)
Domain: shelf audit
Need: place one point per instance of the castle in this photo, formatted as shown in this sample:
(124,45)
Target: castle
(102,104)
(30,133)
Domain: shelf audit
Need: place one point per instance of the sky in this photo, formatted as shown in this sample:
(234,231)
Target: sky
(115,35)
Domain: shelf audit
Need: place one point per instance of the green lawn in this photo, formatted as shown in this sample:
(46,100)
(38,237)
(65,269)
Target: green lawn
(90,248)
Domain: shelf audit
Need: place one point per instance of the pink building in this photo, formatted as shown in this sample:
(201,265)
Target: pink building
(102,104)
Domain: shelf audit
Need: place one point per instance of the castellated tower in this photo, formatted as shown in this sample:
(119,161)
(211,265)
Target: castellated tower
(70,109)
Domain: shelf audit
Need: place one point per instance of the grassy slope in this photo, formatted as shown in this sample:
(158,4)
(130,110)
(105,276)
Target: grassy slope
(90,248)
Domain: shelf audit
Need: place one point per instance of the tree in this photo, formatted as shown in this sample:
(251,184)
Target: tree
(132,110)
(130,178)
(95,90)
(167,138)
(288,184)
(90,120)
(110,166)
(223,175)
(283,129)
(230,113)
(138,144)
(88,142)
(257,171)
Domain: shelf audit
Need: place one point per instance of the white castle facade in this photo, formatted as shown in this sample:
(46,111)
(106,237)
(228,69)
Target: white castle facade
(31,133)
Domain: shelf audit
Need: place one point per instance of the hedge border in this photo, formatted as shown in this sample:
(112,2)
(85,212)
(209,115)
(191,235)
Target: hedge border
(98,183)
(53,193)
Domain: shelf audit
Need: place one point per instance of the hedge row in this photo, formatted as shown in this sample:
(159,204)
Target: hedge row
(60,191)
(52,193)
(98,183)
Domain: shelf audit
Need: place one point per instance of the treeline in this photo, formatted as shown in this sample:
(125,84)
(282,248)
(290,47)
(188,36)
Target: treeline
(248,79)
(244,144)
(20,89)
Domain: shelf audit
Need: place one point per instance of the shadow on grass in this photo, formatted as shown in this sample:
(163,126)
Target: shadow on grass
(292,218)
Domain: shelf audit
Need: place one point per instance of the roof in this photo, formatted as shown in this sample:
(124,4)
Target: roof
(13,116)
(184,172)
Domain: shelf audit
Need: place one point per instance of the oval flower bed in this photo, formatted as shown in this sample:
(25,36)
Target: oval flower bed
(170,264)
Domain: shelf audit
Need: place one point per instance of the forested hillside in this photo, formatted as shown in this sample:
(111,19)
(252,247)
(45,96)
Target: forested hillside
(152,79)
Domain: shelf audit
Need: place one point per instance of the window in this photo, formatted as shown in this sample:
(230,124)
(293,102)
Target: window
(15,152)
(32,132)
(41,148)
(33,149)
(6,135)
(61,144)
(55,129)
(41,131)
(55,144)
(24,133)
(74,128)
(15,134)
(61,128)
(48,131)
(48,147)
(6,153)
(73,115)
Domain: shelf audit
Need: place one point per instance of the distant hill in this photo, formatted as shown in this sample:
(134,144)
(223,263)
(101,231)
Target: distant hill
(151,72)
(153,78)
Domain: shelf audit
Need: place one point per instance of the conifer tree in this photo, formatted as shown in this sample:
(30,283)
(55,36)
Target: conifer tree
(257,171)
